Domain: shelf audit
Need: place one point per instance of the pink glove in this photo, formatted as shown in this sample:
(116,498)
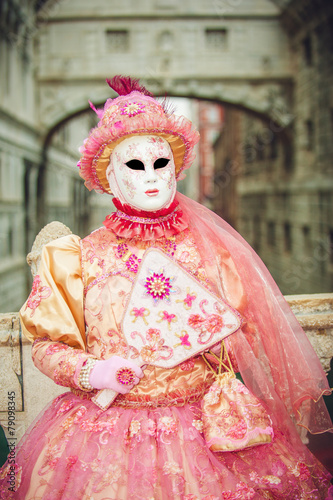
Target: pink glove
(107,374)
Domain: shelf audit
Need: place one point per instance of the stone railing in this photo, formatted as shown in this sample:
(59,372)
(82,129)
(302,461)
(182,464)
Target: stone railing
(31,390)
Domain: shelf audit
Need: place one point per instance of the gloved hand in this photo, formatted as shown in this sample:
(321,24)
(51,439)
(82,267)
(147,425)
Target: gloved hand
(108,373)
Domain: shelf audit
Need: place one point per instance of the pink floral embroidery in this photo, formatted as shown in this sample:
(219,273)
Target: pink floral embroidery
(134,428)
(239,387)
(71,461)
(132,109)
(304,472)
(187,365)
(158,286)
(211,323)
(109,114)
(153,335)
(269,480)
(279,468)
(67,424)
(198,424)
(111,476)
(92,426)
(79,414)
(171,469)
(243,492)
(131,260)
(64,373)
(53,348)
(168,425)
(254,476)
(65,406)
(238,430)
(213,395)
(156,348)
(151,427)
(265,480)
(53,463)
(38,293)
(300,470)
(155,140)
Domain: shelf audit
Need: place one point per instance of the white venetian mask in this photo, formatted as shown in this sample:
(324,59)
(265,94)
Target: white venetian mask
(142,172)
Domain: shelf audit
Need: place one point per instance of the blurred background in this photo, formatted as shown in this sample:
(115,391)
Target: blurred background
(255,76)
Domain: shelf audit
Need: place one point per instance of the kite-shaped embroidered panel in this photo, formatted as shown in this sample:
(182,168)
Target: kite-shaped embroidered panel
(170,317)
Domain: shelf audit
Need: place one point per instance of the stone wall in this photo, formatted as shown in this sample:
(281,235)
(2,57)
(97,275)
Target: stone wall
(33,391)
(283,176)
(20,379)
(37,184)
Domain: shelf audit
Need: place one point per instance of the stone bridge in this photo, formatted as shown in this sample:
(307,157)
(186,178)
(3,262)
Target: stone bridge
(231,51)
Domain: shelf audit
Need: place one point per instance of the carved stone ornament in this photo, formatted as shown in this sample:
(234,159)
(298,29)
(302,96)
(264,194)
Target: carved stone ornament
(50,232)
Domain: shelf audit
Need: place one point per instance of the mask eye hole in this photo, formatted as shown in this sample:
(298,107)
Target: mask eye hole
(161,163)
(135,165)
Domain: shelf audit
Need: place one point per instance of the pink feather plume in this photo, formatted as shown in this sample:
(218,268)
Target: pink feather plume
(124,85)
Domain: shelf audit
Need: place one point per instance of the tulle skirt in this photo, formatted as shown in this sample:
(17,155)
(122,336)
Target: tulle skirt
(77,452)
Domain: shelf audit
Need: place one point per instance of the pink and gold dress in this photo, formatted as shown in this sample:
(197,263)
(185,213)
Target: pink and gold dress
(149,443)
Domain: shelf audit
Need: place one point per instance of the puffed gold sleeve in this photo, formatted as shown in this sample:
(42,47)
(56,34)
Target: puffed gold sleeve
(53,315)
(54,308)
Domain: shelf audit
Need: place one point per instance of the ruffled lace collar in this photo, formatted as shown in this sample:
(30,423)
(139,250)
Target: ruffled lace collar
(128,222)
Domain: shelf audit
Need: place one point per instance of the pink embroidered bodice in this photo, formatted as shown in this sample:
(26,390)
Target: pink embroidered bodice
(91,279)
(109,267)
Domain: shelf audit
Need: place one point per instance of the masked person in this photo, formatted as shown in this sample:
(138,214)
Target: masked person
(155,440)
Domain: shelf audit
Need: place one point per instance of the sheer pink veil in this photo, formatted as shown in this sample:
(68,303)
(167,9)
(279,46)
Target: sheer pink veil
(274,355)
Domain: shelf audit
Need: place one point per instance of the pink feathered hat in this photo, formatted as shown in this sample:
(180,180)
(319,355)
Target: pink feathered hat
(133,112)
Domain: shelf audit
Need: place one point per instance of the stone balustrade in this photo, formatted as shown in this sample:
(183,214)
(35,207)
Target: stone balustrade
(33,391)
